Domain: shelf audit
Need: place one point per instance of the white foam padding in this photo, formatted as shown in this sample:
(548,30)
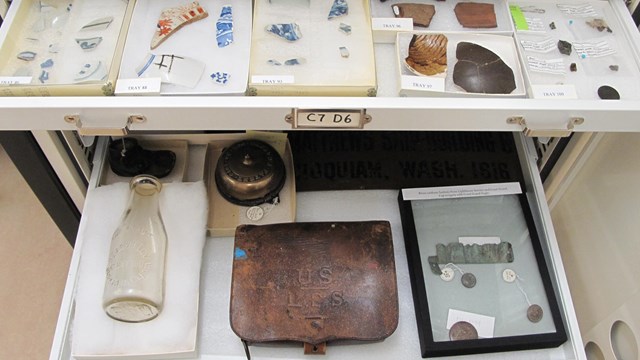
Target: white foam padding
(174,332)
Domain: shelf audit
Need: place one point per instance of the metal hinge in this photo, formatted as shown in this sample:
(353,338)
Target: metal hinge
(86,130)
(531,132)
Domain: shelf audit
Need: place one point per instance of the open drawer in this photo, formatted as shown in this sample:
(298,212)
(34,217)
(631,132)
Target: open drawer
(215,338)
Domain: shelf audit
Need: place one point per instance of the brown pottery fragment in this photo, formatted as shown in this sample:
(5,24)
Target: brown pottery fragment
(428,54)
(420,13)
(476,15)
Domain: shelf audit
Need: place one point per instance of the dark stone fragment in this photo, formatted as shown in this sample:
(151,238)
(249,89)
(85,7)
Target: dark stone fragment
(479,70)
(606,92)
(614,67)
(564,47)
(552,26)
(573,67)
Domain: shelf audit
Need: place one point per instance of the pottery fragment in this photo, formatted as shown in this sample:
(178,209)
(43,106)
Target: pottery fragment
(427,54)
(289,32)
(420,13)
(479,70)
(476,15)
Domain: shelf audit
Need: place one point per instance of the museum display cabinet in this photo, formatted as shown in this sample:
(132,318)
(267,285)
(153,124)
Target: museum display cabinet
(68,127)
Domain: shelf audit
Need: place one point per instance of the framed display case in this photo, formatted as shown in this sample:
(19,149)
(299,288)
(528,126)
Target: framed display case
(479,278)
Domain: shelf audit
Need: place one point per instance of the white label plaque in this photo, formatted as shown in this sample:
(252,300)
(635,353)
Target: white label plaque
(329,118)
(426,83)
(272,79)
(146,86)
(396,24)
(554,91)
(15,80)
(450,192)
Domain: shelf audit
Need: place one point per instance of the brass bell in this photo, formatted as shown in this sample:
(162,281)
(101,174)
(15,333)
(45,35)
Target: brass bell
(250,172)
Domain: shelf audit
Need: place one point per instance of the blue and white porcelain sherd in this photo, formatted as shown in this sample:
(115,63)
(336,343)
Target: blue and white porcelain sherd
(220,77)
(289,32)
(339,8)
(224,27)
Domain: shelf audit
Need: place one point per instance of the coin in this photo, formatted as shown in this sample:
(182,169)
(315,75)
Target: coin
(462,330)
(468,280)
(534,313)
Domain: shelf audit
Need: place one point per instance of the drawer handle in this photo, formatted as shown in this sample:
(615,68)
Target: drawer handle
(531,132)
(85,130)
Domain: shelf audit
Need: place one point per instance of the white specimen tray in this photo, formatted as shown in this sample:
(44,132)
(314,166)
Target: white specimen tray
(385,25)
(501,45)
(592,72)
(196,40)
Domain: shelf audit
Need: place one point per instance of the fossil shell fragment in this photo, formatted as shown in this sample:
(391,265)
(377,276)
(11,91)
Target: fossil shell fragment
(427,54)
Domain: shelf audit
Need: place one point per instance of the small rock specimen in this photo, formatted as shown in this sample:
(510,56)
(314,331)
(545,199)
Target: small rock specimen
(172,19)
(573,67)
(599,24)
(552,25)
(274,62)
(606,92)
(476,15)
(564,47)
(480,70)
(427,54)
(420,13)
(289,32)
(614,67)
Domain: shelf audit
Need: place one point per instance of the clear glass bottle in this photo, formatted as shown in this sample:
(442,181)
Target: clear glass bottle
(134,288)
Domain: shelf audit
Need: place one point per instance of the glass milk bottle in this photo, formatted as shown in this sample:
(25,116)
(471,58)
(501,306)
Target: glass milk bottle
(134,287)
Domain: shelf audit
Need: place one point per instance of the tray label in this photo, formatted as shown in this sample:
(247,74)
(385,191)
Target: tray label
(146,86)
(554,91)
(427,83)
(15,80)
(398,24)
(272,79)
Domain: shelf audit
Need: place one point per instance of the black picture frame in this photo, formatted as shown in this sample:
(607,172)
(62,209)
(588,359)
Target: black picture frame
(431,348)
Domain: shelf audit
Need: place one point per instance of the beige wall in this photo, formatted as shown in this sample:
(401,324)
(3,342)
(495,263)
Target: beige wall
(597,223)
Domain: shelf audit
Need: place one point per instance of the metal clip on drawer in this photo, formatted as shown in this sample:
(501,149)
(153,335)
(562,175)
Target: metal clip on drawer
(85,129)
(531,132)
